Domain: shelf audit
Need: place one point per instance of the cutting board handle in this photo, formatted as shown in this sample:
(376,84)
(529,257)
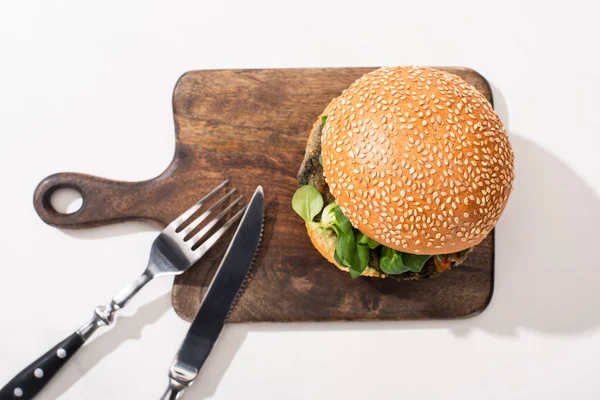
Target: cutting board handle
(104,201)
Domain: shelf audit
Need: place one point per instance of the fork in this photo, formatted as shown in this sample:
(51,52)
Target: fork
(172,253)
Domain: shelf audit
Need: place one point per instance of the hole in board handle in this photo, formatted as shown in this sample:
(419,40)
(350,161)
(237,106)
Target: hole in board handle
(66,200)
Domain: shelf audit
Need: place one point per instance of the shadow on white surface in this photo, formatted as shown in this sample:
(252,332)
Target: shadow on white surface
(546,274)
(546,278)
(116,230)
(66,201)
(126,328)
(218,362)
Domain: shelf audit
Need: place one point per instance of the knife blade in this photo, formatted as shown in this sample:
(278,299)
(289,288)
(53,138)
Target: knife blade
(219,300)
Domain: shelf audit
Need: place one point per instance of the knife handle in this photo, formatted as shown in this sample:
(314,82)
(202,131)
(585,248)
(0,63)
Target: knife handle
(27,383)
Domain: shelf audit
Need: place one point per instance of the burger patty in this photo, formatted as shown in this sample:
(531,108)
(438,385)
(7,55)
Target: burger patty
(311,173)
(432,268)
(311,170)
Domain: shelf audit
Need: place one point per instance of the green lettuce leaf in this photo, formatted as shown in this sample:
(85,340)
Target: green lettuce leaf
(361,256)
(395,262)
(343,222)
(344,248)
(307,202)
(391,263)
(328,216)
(353,248)
(415,262)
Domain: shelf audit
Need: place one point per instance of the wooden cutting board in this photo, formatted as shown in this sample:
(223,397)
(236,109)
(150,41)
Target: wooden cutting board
(252,126)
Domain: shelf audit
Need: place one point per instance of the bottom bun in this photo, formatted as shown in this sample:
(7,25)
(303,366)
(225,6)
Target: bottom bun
(324,240)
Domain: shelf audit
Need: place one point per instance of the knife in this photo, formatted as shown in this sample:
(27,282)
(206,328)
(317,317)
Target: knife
(219,300)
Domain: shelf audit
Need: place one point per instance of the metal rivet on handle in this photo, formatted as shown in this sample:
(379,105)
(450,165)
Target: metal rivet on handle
(61,353)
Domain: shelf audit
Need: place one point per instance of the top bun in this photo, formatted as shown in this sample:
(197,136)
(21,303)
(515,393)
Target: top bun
(417,160)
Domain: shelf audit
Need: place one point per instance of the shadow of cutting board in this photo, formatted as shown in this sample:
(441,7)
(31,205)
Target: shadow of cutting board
(252,126)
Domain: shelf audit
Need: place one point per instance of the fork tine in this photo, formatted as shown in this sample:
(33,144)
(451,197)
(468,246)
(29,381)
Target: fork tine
(208,243)
(200,234)
(187,214)
(192,225)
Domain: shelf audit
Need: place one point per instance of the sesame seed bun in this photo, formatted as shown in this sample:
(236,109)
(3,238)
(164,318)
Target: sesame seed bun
(325,240)
(417,160)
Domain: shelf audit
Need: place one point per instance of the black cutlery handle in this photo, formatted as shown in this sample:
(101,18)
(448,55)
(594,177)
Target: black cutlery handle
(27,383)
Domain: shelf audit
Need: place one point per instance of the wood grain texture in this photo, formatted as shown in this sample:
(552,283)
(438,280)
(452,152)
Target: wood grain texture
(251,126)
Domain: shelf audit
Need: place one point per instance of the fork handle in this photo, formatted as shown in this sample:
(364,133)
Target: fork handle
(27,383)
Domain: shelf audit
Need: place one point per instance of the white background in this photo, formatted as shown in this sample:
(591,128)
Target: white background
(86,87)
